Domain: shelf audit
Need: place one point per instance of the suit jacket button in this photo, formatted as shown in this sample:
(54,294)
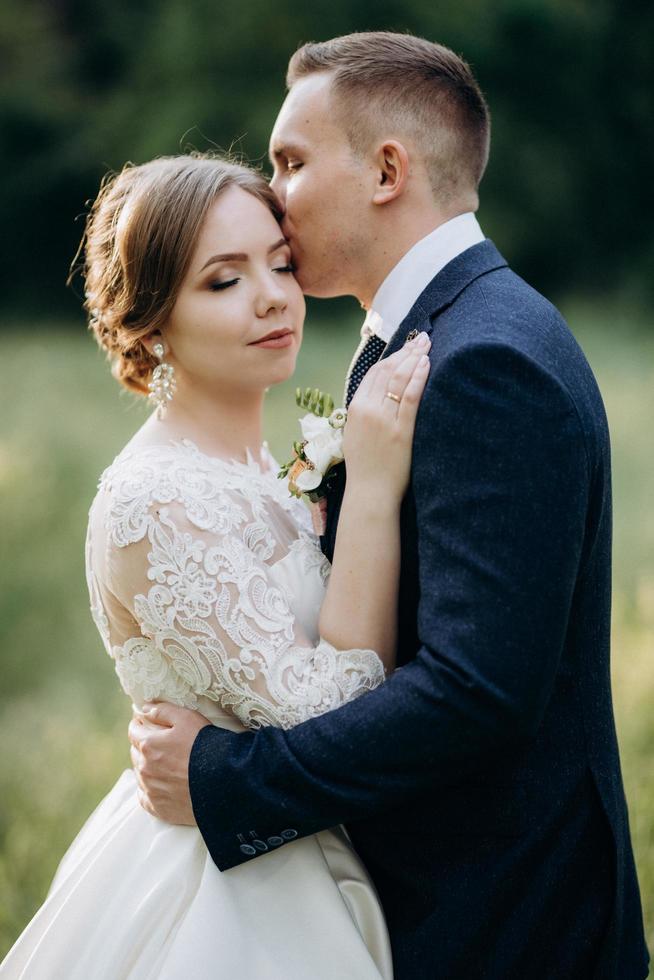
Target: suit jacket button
(247,849)
(412,334)
(275,841)
(289,834)
(260,845)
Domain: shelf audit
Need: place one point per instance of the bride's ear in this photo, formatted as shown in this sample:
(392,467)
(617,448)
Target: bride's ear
(392,165)
(151,340)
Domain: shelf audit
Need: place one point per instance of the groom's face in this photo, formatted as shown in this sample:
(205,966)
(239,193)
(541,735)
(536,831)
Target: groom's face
(324,188)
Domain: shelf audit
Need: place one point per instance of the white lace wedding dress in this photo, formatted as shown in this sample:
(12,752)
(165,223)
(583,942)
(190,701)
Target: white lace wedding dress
(206,582)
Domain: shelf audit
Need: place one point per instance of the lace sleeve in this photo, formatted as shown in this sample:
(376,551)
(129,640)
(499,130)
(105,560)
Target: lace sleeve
(209,617)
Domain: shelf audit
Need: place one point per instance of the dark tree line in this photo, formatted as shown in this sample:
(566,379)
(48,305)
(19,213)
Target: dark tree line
(86,85)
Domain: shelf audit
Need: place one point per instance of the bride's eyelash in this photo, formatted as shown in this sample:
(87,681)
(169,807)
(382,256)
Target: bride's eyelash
(217,286)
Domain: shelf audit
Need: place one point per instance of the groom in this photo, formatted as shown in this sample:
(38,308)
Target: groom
(481,783)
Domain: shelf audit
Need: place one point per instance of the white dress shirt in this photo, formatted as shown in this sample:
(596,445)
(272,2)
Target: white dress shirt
(415,270)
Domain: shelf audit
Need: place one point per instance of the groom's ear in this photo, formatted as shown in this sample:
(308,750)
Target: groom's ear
(392,166)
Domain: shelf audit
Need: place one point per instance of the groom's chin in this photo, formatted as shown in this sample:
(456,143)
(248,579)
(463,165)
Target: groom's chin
(316,282)
(318,290)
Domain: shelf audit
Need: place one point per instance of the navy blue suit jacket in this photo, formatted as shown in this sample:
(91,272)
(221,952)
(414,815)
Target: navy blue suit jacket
(481,783)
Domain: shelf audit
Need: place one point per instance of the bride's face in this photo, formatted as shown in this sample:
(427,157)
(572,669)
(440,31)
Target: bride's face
(239,290)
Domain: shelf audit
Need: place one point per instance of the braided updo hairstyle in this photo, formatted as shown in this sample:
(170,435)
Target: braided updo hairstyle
(139,239)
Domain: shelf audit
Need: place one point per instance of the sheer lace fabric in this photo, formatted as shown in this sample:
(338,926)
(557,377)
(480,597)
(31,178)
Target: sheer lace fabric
(205,584)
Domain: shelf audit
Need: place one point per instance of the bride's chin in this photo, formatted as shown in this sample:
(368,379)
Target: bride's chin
(282,373)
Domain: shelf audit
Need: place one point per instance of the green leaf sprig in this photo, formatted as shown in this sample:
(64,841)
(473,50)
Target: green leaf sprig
(318,403)
(315,401)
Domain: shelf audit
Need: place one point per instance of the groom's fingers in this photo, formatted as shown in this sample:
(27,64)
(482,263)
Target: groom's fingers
(161,713)
(166,715)
(144,800)
(135,731)
(146,744)
(146,765)
(138,765)
(141,730)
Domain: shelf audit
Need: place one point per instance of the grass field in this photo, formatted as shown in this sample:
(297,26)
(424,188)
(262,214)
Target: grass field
(62,716)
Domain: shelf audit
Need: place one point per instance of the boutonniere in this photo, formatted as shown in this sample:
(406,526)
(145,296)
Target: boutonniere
(311,469)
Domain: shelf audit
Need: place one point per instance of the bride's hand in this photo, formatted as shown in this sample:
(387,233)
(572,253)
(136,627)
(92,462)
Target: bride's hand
(378,437)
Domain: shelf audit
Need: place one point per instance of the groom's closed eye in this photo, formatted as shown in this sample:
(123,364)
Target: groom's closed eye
(286,156)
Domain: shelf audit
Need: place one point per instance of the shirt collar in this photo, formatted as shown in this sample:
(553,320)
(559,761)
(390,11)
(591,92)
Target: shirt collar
(416,269)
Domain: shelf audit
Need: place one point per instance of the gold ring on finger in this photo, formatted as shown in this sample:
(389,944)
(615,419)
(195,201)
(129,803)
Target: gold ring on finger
(393,396)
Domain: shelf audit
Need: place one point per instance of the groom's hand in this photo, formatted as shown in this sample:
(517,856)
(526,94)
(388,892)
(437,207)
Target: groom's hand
(162,736)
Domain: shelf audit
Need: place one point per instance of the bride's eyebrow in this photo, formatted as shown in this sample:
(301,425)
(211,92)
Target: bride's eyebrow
(240,256)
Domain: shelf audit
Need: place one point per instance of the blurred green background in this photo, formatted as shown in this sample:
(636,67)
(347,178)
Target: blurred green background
(86,86)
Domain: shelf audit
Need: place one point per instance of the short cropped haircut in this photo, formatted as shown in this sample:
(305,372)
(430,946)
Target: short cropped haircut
(387,85)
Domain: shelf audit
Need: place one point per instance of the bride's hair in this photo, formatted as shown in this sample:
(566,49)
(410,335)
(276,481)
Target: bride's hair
(139,238)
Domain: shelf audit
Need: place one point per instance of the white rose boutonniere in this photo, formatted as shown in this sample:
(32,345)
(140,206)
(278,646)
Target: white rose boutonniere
(319,451)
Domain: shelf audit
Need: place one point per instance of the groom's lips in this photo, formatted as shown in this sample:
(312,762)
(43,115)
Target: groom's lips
(275,339)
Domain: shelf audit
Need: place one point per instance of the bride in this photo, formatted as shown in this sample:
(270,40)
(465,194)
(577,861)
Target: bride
(210,591)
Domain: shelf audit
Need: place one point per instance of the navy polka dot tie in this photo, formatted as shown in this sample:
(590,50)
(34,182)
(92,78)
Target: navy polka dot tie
(368,354)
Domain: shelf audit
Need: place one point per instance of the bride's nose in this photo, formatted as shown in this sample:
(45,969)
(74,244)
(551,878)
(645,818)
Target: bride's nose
(270,296)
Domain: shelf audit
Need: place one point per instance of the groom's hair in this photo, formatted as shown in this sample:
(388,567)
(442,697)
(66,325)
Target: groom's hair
(387,85)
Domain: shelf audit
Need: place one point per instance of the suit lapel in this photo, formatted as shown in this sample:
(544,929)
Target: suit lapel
(444,289)
(440,293)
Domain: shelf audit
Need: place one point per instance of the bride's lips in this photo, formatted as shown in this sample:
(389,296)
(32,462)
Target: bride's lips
(275,339)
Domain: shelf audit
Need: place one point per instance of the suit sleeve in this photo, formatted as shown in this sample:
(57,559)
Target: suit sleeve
(500,481)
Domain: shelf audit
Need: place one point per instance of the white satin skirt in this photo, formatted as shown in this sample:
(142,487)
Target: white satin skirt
(138,899)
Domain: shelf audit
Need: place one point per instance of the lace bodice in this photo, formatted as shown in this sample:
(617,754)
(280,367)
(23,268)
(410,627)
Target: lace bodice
(206,583)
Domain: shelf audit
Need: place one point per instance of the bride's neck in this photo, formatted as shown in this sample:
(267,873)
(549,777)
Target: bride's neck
(225,424)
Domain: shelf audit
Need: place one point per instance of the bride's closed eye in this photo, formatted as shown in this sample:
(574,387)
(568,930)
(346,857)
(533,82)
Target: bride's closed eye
(217,286)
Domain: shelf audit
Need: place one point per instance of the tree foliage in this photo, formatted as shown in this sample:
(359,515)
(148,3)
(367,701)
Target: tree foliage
(87,85)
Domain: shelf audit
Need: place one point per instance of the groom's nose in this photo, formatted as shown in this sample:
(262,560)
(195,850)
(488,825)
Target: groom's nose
(278,185)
